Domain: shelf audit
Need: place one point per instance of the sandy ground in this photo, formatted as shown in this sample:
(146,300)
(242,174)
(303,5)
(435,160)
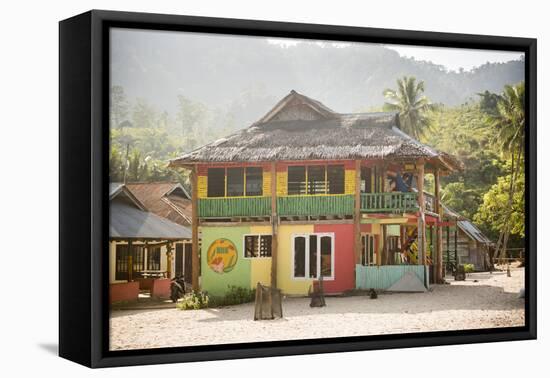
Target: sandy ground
(490,302)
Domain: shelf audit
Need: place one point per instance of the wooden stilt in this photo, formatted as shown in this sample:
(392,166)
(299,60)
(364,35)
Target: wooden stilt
(357,213)
(274,224)
(195,230)
(422,219)
(439,231)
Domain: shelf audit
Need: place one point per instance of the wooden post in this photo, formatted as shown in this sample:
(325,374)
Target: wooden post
(456,244)
(195,230)
(384,244)
(357,213)
(130,262)
(438,230)
(422,219)
(274,224)
(169,260)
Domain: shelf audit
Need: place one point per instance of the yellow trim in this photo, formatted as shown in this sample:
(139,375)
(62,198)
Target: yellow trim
(315,195)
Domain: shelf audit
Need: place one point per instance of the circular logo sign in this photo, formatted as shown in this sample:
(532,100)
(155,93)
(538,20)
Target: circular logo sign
(222,256)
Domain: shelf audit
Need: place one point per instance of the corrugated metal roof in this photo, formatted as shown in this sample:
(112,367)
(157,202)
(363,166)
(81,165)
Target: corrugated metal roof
(474,232)
(129,222)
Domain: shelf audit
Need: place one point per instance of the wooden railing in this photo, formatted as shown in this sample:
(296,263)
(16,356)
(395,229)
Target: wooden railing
(391,202)
(315,205)
(234,207)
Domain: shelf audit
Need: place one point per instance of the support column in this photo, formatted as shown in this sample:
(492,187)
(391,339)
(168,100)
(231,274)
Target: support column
(274,224)
(130,262)
(169,260)
(357,213)
(422,219)
(194,230)
(439,230)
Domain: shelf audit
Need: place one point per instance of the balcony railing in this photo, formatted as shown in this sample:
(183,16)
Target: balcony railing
(315,205)
(391,202)
(234,207)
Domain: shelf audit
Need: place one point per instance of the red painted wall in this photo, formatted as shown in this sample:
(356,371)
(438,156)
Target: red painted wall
(344,257)
(161,288)
(128,291)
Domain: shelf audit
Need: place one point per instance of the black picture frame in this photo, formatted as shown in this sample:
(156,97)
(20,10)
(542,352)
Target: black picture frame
(83,182)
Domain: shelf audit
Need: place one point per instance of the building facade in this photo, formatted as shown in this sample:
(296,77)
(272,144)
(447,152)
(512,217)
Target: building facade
(307,193)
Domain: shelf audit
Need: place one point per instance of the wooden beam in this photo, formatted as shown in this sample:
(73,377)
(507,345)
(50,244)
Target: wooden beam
(274,224)
(439,230)
(357,213)
(195,230)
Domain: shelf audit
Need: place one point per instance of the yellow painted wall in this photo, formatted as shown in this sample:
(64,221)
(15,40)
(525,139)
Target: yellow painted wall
(285,282)
(202,186)
(282,180)
(349,180)
(260,268)
(267,183)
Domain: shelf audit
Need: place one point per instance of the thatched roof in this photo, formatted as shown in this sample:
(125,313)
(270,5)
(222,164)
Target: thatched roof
(299,128)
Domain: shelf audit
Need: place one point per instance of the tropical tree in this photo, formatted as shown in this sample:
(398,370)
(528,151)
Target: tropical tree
(411,104)
(509,124)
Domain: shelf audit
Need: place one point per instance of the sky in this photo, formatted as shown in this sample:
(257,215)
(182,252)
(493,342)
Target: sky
(452,58)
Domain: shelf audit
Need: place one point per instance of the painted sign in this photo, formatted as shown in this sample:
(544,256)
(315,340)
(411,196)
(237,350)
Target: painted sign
(222,256)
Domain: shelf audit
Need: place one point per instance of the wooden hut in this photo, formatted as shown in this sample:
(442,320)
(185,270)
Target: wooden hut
(141,247)
(306,192)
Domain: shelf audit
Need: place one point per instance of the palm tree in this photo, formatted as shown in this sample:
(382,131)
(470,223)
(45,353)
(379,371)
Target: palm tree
(411,104)
(509,123)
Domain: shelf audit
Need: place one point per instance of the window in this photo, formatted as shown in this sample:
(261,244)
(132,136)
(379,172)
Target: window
(299,257)
(254,181)
(313,256)
(235,182)
(121,261)
(335,179)
(153,258)
(316,179)
(366,180)
(257,246)
(296,180)
(368,253)
(216,182)
(320,179)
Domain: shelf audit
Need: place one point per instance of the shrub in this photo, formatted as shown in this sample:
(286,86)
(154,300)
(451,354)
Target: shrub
(468,268)
(193,301)
(235,295)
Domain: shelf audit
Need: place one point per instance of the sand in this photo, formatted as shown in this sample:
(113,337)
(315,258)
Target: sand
(490,302)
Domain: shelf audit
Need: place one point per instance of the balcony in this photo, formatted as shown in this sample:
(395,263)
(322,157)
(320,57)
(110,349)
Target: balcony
(315,205)
(234,207)
(391,202)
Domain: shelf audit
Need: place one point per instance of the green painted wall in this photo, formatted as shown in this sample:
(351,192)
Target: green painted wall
(216,283)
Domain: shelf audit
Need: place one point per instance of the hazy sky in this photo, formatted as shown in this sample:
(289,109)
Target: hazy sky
(452,59)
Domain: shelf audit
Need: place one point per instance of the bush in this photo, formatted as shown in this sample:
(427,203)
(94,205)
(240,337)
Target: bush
(468,268)
(235,295)
(193,301)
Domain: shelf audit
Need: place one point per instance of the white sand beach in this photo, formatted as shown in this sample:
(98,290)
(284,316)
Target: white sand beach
(490,302)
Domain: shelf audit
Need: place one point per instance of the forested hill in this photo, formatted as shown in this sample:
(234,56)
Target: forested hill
(218,74)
